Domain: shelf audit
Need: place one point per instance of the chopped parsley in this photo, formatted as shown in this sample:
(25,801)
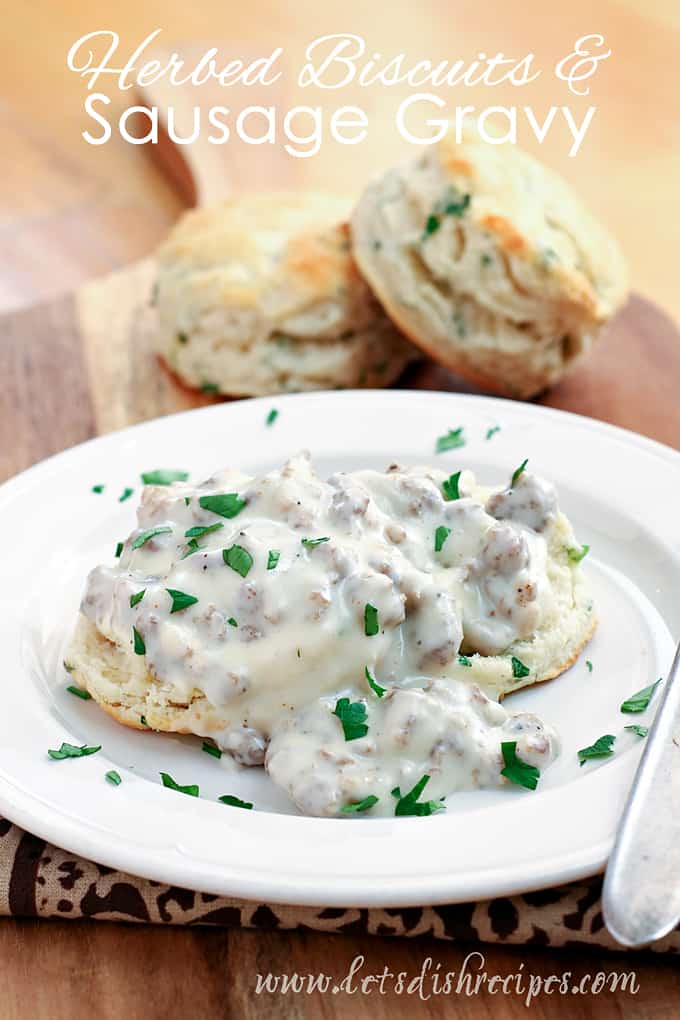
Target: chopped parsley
(180,600)
(225,504)
(519,670)
(232,622)
(79,692)
(98,489)
(451,487)
(352,715)
(140,647)
(125,494)
(68,666)
(602,748)
(490,433)
(639,702)
(192,547)
(641,731)
(182,338)
(211,749)
(71,751)
(451,204)
(486,259)
(459,323)
(464,661)
(272,416)
(137,598)
(202,529)
(191,790)
(440,536)
(576,555)
(362,805)
(119,549)
(273,559)
(310,543)
(209,387)
(232,801)
(163,476)
(453,440)
(143,721)
(144,537)
(518,472)
(409,803)
(517,771)
(113,777)
(589,666)
(238,558)
(371,625)
(375,687)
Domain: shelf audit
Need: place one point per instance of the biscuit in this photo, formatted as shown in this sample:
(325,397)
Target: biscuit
(261,295)
(487,260)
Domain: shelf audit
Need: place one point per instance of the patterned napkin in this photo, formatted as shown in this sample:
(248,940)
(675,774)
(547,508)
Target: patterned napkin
(39,880)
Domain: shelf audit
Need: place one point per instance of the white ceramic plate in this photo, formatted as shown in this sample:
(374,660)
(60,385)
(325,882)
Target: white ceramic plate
(620,491)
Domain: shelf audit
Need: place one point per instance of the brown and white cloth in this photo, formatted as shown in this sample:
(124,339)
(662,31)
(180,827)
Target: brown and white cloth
(40,880)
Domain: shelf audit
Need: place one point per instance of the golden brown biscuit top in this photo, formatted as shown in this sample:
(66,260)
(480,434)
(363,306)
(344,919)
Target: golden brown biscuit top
(533,214)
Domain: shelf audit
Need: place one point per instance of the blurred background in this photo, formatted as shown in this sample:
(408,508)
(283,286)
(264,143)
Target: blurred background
(70,211)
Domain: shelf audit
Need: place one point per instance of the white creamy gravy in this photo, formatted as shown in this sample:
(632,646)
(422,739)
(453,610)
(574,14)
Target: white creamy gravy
(265,646)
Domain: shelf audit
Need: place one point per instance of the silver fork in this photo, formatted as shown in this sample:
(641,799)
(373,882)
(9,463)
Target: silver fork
(641,895)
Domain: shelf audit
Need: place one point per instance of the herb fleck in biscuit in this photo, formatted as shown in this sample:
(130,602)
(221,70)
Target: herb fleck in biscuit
(489,262)
(261,295)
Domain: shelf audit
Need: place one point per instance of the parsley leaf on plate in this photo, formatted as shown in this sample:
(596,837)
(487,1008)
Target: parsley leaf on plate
(113,777)
(71,751)
(409,803)
(211,749)
(125,494)
(238,558)
(79,692)
(137,598)
(163,476)
(516,770)
(232,801)
(452,440)
(602,748)
(576,555)
(191,790)
(639,701)
(310,543)
(272,416)
(273,558)
(492,431)
(98,489)
(641,731)
(464,661)
(352,715)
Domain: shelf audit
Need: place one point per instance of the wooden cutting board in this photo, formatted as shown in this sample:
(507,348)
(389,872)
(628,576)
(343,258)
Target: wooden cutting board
(83,364)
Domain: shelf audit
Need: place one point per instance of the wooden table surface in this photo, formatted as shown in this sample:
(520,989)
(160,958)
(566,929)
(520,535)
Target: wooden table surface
(69,212)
